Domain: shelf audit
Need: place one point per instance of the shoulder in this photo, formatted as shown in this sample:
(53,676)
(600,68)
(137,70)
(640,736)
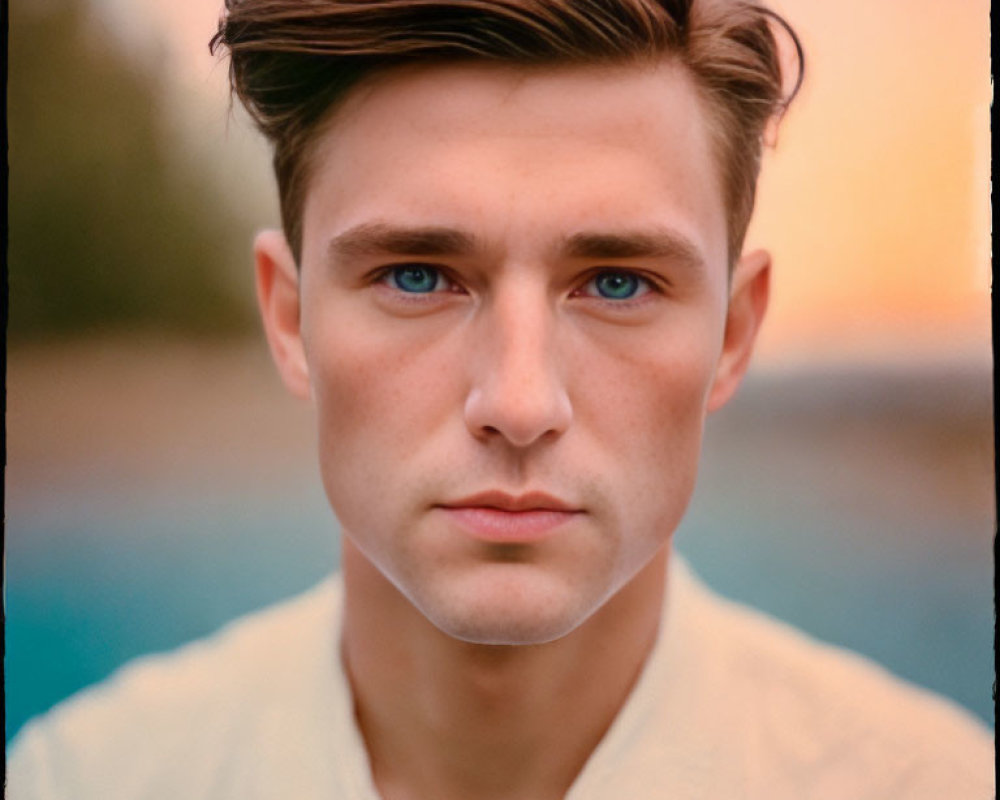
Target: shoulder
(165,716)
(815,714)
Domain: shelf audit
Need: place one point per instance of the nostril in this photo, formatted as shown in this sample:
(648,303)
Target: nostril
(518,397)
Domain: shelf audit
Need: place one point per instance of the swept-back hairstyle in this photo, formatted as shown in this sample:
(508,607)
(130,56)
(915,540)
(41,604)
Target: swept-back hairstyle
(293,61)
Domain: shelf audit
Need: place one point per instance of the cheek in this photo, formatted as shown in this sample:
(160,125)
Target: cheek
(647,414)
(380,398)
(653,385)
(674,421)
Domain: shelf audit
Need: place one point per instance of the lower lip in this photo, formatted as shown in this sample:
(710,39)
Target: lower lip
(509,527)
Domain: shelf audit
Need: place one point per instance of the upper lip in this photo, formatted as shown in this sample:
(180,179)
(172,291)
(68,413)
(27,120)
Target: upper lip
(529,501)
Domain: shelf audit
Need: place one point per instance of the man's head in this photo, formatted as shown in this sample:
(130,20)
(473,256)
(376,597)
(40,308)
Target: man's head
(512,305)
(294,62)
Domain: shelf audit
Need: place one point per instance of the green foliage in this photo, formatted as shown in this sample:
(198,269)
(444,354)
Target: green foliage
(107,231)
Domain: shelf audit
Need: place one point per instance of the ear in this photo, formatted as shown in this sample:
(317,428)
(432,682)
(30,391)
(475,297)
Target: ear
(750,287)
(278,300)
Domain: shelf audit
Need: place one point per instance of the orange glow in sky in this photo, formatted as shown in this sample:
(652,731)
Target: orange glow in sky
(875,201)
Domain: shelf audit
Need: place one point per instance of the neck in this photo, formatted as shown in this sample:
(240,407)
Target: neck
(446,719)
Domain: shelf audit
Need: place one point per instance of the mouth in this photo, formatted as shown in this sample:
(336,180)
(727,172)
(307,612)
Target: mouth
(498,517)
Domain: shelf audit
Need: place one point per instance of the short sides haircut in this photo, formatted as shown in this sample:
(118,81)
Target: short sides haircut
(293,61)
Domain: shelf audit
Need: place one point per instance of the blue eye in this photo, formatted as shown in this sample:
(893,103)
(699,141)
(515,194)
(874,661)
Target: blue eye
(415,278)
(618,284)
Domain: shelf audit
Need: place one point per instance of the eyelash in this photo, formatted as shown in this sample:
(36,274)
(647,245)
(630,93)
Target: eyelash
(385,274)
(647,286)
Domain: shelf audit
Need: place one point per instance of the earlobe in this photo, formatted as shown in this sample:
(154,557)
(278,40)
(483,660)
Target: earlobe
(278,299)
(749,292)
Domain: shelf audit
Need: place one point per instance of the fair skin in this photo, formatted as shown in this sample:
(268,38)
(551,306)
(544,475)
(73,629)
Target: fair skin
(513,313)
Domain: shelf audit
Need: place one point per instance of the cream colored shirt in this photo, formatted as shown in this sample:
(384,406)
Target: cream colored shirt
(730,705)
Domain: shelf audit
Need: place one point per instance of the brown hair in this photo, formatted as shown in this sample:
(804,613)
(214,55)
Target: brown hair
(292,61)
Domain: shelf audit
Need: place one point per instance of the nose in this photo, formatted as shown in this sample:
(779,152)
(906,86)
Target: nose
(517,392)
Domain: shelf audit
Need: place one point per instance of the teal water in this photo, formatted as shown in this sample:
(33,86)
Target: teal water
(114,584)
(845,528)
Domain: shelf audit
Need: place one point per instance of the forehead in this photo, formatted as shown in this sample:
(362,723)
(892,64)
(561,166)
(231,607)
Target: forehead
(538,150)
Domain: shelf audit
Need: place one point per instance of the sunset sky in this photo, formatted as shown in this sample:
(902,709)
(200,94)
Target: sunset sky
(874,203)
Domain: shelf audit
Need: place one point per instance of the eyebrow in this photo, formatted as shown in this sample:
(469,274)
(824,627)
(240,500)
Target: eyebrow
(659,243)
(380,238)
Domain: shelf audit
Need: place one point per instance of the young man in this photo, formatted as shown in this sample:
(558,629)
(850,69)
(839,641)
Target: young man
(511,281)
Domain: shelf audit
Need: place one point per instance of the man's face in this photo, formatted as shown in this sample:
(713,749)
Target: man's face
(513,305)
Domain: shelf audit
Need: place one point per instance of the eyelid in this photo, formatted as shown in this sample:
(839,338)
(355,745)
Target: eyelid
(383,273)
(651,284)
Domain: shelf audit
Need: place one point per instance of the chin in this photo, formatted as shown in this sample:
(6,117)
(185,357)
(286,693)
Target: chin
(505,630)
(510,609)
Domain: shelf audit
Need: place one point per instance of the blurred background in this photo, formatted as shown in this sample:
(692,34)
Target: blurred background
(159,482)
